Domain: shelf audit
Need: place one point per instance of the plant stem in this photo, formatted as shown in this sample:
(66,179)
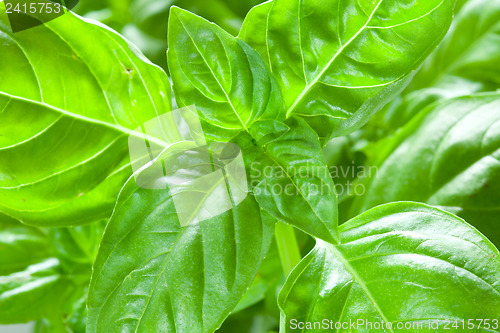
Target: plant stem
(287,246)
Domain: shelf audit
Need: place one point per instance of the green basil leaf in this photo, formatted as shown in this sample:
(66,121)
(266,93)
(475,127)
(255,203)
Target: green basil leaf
(471,49)
(338,62)
(153,275)
(77,319)
(76,249)
(253,30)
(289,176)
(73,320)
(222,76)
(254,294)
(401,110)
(63,140)
(465,63)
(401,262)
(78,244)
(21,245)
(448,156)
(37,278)
(459,5)
(39,290)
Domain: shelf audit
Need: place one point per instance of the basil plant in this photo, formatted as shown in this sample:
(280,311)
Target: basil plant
(225,193)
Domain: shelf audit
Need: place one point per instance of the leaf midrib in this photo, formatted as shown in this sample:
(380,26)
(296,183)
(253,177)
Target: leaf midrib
(359,281)
(316,79)
(114,127)
(213,74)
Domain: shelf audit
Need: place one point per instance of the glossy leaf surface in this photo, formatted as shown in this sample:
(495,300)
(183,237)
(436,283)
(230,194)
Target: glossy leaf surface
(253,30)
(401,262)
(63,147)
(222,76)
(289,176)
(448,156)
(338,62)
(151,274)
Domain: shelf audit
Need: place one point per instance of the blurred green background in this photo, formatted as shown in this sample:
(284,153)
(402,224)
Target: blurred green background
(144,22)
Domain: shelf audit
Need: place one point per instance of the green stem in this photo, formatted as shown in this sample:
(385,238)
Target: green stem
(287,246)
